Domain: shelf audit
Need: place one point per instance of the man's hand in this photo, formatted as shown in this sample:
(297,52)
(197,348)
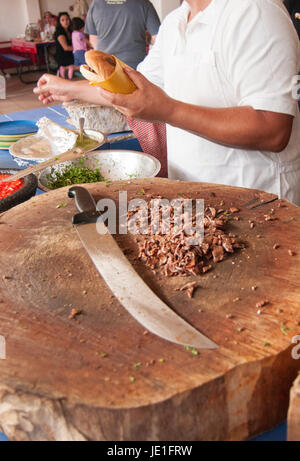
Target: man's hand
(147,102)
(51,88)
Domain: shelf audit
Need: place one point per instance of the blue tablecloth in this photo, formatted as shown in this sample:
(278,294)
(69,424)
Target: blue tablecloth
(60,115)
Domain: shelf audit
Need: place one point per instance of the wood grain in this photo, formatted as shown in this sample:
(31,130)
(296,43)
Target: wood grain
(293,433)
(71,379)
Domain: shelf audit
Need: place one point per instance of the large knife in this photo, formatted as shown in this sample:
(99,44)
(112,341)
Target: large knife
(127,286)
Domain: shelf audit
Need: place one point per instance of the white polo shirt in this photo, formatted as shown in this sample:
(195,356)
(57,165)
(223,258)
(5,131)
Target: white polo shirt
(233,53)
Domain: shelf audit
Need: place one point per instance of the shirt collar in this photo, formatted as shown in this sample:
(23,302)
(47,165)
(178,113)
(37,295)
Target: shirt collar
(203,17)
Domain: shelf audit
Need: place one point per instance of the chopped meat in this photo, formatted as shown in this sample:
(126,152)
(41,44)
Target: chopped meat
(169,250)
(74,313)
(262,303)
(213,212)
(189,288)
(218,253)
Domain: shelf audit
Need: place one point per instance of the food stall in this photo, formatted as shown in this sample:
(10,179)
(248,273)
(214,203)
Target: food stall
(69,349)
(134,307)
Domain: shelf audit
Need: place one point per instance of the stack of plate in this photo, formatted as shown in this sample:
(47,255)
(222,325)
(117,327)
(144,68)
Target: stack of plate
(10,132)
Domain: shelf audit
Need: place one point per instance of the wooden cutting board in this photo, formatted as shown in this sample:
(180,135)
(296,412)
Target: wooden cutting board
(100,375)
(293,432)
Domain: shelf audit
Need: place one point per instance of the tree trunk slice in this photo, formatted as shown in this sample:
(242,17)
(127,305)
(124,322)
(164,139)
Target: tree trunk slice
(294,412)
(55,383)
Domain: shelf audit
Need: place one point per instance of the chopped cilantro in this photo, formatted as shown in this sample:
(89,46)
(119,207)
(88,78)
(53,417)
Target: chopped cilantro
(284,330)
(191,349)
(73,174)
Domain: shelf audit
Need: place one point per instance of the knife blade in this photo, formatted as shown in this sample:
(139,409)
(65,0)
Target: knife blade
(124,282)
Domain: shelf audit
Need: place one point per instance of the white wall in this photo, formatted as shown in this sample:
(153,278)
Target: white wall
(33,10)
(163,7)
(13,18)
(55,6)
(15,14)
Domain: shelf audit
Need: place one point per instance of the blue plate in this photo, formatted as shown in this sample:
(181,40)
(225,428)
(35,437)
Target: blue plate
(17,127)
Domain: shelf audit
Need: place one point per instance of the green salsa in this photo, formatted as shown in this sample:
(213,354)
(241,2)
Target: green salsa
(87,143)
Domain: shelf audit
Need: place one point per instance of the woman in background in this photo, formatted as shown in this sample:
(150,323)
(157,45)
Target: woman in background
(64,51)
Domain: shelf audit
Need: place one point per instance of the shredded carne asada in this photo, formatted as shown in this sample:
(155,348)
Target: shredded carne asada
(172,255)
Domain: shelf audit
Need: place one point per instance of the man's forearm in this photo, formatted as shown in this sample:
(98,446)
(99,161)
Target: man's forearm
(84,91)
(93,41)
(241,127)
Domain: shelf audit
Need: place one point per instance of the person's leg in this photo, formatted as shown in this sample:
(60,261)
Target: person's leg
(62,71)
(71,70)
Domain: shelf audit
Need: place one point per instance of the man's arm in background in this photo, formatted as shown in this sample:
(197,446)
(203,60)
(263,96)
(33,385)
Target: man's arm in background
(90,27)
(93,41)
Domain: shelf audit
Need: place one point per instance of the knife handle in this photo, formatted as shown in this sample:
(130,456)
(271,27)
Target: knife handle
(83,199)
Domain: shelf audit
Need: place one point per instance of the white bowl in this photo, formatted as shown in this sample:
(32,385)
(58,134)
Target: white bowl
(114,165)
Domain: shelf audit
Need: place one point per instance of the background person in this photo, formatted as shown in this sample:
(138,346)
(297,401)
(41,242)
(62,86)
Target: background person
(48,25)
(220,76)
(119,28)
(80,44)
(63,38)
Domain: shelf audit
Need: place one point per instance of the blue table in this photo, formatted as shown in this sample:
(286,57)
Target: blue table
(60,115)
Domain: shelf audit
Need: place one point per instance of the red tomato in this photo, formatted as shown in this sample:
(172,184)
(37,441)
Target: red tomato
(9,187)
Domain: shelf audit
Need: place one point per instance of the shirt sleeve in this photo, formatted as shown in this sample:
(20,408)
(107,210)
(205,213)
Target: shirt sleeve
(152,20)
(261,50)
(152,66)
(90,26)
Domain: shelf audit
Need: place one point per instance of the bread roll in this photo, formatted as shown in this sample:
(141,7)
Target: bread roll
(99,66)
(107,71)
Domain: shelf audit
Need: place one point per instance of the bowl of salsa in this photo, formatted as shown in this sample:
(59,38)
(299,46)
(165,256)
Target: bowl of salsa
(14,192)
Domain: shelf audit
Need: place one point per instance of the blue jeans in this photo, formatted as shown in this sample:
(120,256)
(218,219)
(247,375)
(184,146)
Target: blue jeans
(79,57)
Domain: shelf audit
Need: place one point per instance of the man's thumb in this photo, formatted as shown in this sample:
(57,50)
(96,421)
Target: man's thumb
(137,78)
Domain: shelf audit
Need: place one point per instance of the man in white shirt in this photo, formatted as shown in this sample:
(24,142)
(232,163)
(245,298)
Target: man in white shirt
(220,76)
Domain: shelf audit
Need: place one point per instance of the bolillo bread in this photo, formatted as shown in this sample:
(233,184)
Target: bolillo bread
(105,70)
(99,66)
